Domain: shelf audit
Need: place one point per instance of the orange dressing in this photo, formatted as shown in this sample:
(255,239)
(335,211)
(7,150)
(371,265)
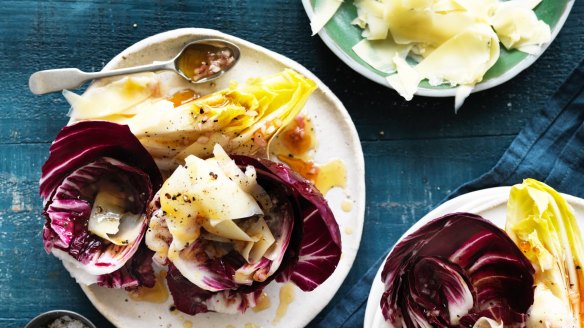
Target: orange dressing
(131,87)
(192,58)
(156,294)
(324,176)
(295,140)
(307,169)
(298,137)
(292,146)
(331,174)
(262,303)
(183,97)
(286,297)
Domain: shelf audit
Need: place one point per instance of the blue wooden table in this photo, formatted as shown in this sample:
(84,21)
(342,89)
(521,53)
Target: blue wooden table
(415,152)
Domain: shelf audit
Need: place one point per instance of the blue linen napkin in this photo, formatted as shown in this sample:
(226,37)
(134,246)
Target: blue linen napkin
(550,149)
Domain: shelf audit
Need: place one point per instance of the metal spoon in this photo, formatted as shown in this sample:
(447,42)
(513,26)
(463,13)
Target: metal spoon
(189,58)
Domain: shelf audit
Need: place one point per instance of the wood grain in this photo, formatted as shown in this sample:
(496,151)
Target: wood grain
(416,152)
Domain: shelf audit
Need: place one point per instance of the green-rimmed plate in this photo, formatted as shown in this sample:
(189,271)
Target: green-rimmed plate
(340,36)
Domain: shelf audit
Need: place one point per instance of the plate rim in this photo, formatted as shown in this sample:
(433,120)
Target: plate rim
(494,195)
(339,108)
(439,93)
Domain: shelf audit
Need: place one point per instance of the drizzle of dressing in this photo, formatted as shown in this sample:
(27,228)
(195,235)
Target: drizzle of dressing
(296,140)
(331,174)
(262,303)
(323,176)
(132,87)
(183,96)
(348,230)
(187,324)
(286,297)
(307,169)
(347,205)
(293,146)
(156,294)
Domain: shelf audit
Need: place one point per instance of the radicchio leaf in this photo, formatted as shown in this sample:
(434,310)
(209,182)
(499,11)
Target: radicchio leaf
(320,238)
(453,271)
(136,272)
(309,248)
(82,143)
(190,299)
(81,156)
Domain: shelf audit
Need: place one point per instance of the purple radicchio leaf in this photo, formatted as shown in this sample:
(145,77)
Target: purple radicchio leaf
(190,299)
(319,235)
(136,272)
(81,156)
(83,142)
(453,271)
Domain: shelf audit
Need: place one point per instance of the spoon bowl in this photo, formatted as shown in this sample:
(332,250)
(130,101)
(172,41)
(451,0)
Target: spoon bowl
(199,61)
(213,56)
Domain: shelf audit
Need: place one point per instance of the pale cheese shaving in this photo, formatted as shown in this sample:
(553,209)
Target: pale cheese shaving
(548,311)
(379,54)
(202,189)
(406,81)
(485,322)
(370,17)
(117,98)
(519,28)
(463,59)
(452,41)
(324,10)
(419,24)
(211,194)
(529,4)
(462,92)
(109,219)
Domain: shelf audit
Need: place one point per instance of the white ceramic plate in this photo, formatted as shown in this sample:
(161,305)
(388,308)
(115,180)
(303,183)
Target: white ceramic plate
(334,36)
(338,139)
(490,203)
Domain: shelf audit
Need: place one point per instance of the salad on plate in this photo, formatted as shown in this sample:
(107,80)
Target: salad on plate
(151,182)
(461,270)
(437,47)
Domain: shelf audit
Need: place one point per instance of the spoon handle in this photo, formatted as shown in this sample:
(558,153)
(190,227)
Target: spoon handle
(53,80)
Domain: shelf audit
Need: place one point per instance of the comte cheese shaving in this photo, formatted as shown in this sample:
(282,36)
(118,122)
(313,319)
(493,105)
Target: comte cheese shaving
(323,12)
(451,42)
